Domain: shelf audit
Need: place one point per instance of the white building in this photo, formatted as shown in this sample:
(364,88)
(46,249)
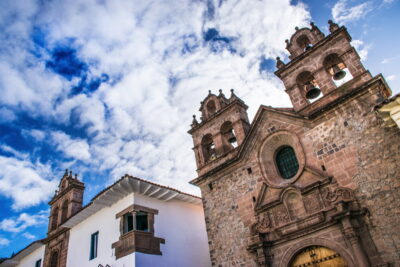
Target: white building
(133,222)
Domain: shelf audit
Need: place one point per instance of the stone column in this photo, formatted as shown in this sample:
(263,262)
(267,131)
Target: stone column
(352,236)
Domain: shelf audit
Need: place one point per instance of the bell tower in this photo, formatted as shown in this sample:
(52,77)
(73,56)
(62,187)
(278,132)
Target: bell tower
(66,201)
(222,128)
(321,69)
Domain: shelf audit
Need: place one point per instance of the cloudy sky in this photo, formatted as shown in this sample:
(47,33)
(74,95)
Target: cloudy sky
(109,87)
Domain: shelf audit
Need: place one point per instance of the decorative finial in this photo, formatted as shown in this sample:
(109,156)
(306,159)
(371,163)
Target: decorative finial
(287,43)
(279,63)
(316,30)
(221,94)
(66,172)
(194,122)
(233,96)
(76,176)
(209,92)
(70,173)
(296,28)
(332,26)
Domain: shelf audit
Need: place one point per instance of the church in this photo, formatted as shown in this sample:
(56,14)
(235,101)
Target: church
(313,185)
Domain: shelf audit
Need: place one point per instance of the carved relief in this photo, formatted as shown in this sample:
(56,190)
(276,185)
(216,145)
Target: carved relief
(280,215)
(264,223)
(312,203)
(339,194)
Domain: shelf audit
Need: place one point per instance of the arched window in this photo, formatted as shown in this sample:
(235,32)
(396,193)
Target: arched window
(307,82)
(64,211)
(228,136)
(335,67)
(208,148)
(286,161)
(211,108)
(304,43)
(54,259)
(54,219)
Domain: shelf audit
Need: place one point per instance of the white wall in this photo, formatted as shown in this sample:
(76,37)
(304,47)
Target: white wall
(182,225)
(105,222)
(30,259)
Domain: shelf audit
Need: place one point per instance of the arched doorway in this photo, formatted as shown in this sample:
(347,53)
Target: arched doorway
(318,256)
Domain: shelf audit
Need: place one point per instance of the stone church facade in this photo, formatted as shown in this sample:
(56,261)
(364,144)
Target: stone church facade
(313,185)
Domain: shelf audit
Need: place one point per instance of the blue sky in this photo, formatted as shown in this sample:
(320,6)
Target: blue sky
(109,87)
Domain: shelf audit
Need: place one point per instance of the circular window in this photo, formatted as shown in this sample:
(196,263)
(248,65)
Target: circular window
(286,162)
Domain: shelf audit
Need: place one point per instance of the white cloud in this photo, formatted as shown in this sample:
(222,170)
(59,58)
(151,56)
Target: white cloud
(343,13)
(137,122)
(24,221)
(72,148)
(4,241)
(15,153)
(28,235)
(27,184)
(391,77)
(361,48)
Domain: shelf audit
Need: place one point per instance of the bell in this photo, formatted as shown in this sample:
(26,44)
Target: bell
(312,91)
(231,137)
(211,151)
(338,73)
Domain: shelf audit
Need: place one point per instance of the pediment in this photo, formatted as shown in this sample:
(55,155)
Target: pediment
(269,195)
(269,120)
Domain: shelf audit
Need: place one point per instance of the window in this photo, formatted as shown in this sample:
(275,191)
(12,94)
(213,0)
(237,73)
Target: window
(38,263)
(94,240)
(138,222)
(286,162)
(137,232)
(128,222)
(142,223)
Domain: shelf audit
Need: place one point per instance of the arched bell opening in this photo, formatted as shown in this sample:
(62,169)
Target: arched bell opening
(211,107)
(64,211)
(318,256)
(54,259)
(208,148)
(309,86)
(304,43)
(337,69)
(54,219)
(229,139)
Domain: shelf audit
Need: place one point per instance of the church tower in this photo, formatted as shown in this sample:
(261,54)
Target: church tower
(66,201)
(222,128)
(319,67)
